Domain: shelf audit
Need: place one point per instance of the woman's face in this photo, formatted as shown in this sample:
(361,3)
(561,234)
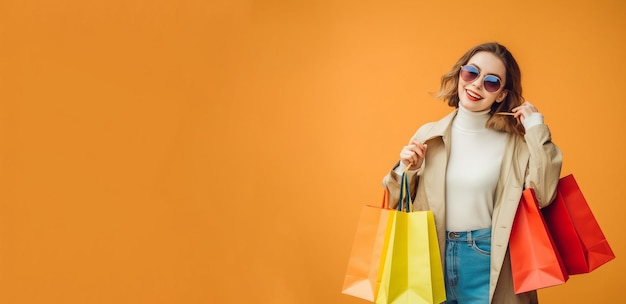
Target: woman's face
(472,94)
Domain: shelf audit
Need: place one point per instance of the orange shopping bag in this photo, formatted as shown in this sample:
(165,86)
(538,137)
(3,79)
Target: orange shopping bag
(368,249)
(576,232)
(535,261)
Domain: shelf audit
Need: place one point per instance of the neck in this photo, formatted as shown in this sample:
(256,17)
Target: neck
(471,121)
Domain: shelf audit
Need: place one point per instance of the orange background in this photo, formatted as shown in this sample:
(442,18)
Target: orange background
(220,151)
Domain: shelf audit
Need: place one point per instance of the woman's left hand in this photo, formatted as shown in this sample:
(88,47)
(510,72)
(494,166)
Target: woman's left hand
(524,111)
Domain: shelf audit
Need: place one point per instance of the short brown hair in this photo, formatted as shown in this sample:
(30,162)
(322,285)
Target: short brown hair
(513,85)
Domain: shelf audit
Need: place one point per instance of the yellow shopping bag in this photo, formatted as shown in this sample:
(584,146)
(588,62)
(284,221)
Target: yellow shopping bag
(412,271)
(384,273)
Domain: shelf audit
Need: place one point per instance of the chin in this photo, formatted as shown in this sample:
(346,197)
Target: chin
(471,106)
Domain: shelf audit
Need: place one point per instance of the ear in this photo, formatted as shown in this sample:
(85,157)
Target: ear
(502,96)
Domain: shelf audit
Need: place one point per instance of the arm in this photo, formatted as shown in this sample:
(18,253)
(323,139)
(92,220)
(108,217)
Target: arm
(412,155)
(544,166)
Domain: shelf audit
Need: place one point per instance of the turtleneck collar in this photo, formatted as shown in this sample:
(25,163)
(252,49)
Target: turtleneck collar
(471,121)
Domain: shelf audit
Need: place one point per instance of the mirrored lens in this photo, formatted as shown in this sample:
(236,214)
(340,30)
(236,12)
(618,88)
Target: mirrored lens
(469,73)
(491,83)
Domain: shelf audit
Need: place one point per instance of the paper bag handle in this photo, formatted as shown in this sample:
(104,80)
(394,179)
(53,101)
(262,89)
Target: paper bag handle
(404,199)
(385,202)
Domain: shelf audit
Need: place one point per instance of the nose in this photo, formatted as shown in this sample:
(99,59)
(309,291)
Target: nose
(478,82)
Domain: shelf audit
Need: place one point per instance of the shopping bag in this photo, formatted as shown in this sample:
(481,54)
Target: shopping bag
(535,261)
(412,272)
(576,232)
(384,273)
(362,273)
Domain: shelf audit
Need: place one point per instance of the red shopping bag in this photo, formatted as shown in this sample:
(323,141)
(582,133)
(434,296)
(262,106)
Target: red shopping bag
(576,232)
(368,248)
(535,261)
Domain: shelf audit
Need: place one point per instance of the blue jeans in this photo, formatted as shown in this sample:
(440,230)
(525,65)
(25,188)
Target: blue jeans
(468,263)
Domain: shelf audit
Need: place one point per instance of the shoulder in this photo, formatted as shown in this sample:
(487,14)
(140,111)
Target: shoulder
(435,128)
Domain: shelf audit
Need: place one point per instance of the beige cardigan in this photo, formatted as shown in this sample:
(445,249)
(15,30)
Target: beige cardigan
(532,161)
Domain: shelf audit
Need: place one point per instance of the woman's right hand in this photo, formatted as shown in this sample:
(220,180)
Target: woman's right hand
(412,155)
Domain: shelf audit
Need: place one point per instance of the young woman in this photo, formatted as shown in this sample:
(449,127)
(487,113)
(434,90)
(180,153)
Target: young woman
(471,167)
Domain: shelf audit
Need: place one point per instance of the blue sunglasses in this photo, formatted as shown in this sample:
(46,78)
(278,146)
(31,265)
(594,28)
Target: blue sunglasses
(491,83)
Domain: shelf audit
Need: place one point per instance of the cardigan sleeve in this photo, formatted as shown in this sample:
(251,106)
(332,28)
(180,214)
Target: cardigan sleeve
(392,180)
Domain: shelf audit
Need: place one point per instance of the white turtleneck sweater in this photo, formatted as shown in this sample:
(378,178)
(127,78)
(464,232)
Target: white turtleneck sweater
(473,170)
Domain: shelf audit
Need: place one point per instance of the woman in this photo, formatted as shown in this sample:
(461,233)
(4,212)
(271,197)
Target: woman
(471,167)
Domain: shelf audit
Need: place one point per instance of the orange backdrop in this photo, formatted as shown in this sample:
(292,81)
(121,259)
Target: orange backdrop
(220,151)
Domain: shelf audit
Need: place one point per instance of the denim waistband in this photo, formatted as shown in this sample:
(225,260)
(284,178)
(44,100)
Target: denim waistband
(468,235)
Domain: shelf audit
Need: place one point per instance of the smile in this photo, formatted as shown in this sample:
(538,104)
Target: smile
(473,96)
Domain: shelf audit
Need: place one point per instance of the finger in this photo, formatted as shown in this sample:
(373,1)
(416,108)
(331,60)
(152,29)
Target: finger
(529,106)
(417,157)
(411,149)
(415,142)
(408,155)
(418,148)
(414,153)
(523,110)
(421,151)
(518,114)
(419,145)
(411,157)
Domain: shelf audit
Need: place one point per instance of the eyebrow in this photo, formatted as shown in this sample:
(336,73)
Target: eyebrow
(480,70)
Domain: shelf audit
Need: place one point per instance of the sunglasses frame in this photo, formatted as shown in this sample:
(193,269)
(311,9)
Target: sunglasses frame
(470,69)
